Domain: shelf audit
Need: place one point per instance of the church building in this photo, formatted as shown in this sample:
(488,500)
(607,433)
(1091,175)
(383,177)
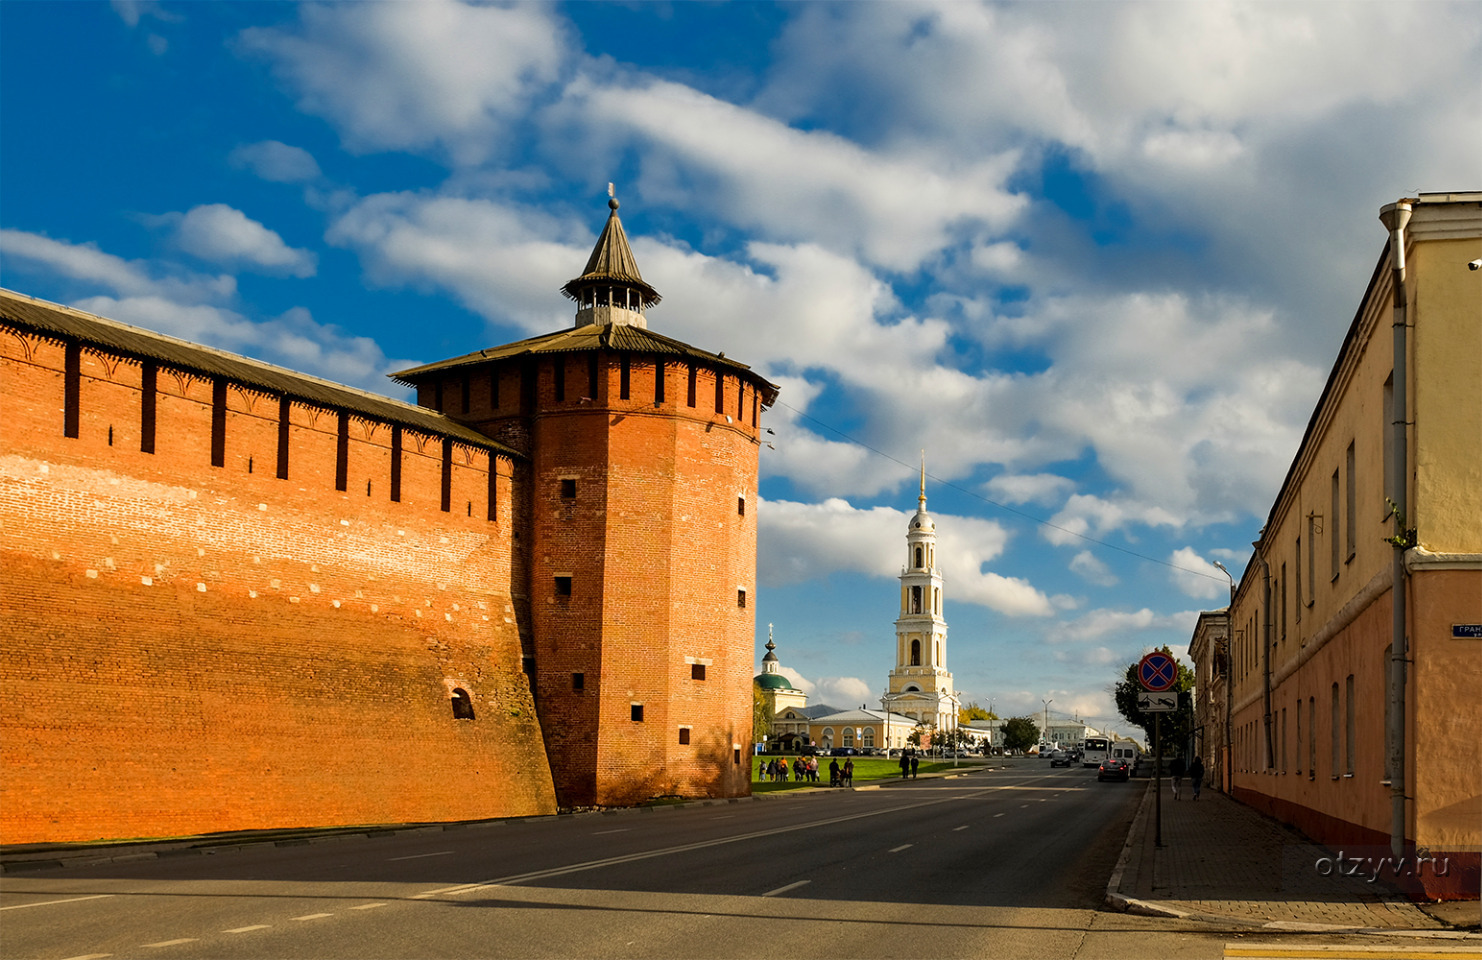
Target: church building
(238,596)
(921,685)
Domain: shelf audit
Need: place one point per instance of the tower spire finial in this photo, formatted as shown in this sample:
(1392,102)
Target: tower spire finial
(922,498)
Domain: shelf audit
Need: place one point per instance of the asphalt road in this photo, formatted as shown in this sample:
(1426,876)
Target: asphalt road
(1008,863)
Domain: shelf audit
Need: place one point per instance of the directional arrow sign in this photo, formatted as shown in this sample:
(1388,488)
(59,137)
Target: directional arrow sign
(1157,702)
(1157,672)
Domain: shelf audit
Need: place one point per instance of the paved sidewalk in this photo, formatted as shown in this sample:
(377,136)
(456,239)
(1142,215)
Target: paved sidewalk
(1224,862)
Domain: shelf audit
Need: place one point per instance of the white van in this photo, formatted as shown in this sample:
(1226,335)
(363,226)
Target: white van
(1127,752)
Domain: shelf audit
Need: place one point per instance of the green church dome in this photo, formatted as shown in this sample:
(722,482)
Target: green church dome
(772,681)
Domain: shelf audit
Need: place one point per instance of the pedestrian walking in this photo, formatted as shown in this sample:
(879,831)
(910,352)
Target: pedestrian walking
(1196,776)
(833,773)
(1176,769)
(914,761)
(848,773)
(905,764)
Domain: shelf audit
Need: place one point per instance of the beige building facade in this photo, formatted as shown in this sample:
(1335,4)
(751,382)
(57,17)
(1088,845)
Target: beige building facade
(1382,501)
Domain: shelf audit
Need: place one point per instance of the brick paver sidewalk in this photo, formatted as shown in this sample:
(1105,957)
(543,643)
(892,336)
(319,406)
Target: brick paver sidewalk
(1223,859)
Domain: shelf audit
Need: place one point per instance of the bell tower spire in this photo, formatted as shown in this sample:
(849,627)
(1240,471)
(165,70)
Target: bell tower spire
(611,291)
(921,684)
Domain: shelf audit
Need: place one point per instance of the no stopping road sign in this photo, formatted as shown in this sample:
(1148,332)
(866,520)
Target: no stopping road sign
(1157,672)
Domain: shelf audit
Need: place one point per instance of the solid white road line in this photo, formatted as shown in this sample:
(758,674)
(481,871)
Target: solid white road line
(47,903)
(419,856)
(790,886)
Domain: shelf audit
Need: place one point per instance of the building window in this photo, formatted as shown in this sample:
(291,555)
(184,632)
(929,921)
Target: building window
(1387,431)
(1350,729)
(148,396)
(558,371)
(915,653)
(740,506)
(578,682)
(563,586)
(684,736)
(848,736)
(868,740)
(691,400)
(568,489)
(1333,515)
(1334,728)
(447,475)
(720,392)
(1283,603)
(658,382)
(915,599)
(741,597)
(1297,569)
(1298,741)
(625,376)
(635,712)
(1384,689)
(1311,737)
(462,705)
(1283,739)
(1311,556)
(697,671)
(342,453)
(918,557)
(466,391)
(395,455)
(736,756)
(1350,522)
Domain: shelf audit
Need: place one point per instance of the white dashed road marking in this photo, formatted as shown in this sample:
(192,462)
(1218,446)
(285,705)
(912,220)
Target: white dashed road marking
(790,886)
(255,926)
(620,830)
(171,943)
(91,956)
(368,906)
(314,916)
(47,903)
(904,846)
(963,827)
(419,856)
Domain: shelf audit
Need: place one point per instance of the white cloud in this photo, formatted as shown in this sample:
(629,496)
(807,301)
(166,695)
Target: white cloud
(1040,488)
(846,693)
(893,208)
(1092,570)
(85,262)
(1188,575)
(407,76)
(223,234)
(276,162)
(799,542)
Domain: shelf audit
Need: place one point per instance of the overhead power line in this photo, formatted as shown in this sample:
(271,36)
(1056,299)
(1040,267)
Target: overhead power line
(1001,506)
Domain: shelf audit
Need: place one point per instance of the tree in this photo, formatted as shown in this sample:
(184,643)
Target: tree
(1176,725)
(1020,733)
(914,739)
(761,714)
(973,711)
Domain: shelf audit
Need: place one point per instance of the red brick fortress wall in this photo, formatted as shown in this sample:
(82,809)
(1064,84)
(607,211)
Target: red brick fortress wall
(187,647)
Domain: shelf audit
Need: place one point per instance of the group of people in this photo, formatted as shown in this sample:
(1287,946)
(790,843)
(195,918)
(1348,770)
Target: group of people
(805,770)
(1195,771)
(909,763)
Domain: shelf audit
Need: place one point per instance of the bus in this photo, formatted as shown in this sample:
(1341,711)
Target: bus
(1096,751)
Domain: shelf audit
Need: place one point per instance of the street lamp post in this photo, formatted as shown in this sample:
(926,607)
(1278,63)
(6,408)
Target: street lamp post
(1227,767)
(1045,733)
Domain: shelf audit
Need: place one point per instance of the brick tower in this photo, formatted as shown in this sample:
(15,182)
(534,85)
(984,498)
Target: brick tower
(638,534)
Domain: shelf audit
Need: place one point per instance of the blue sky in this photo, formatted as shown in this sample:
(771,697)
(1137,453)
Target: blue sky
(1094,259)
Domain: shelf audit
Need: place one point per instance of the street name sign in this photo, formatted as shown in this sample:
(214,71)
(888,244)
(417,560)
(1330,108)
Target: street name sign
(1157,672)
(1157,702)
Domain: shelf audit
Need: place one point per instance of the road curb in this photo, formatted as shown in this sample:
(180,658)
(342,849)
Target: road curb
(1115,899)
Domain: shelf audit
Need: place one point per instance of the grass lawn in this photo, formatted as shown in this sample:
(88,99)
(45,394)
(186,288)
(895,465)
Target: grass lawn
(865,769)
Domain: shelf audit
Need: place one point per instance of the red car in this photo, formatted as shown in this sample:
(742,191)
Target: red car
(1113,768)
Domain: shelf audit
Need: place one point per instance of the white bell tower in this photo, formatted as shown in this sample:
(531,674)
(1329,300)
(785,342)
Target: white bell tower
(921,685)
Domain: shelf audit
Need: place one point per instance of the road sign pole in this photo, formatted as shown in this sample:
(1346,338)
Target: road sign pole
(1157,782)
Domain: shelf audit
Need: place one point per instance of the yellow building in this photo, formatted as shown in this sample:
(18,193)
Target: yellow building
(1321,738)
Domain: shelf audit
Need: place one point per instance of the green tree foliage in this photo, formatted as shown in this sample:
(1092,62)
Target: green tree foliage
(761,715)
(1177,725)
(972,710)
(914,739)
(1020,733)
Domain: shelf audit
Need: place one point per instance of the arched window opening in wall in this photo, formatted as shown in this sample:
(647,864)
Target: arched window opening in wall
(919,557)
(462,705)
(868,741)
(828,737)
(938,660)
(1350,728)
(915,599)
(915,653)
(848,736)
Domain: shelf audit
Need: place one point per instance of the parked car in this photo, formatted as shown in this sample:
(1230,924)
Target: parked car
(1113,768)
(1059,758)
(843,752)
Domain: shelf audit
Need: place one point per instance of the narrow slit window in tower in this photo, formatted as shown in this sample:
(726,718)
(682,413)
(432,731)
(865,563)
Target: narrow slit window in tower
(462,705)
